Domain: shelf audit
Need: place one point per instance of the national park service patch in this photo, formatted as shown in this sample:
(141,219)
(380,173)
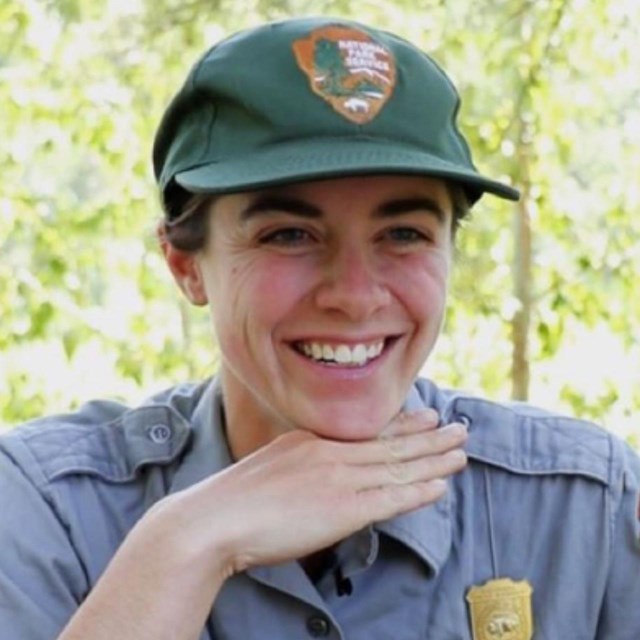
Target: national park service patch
(355,74)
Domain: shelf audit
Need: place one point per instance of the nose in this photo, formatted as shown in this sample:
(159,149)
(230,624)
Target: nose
(352,284)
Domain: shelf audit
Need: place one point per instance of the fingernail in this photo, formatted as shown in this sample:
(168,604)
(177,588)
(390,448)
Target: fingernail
(458,428)
(460,456)
(430,415)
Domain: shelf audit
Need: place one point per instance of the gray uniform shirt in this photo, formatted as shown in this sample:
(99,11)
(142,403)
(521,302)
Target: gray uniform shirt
(544,499)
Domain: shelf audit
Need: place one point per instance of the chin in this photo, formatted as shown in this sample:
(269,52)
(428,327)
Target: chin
(348,422)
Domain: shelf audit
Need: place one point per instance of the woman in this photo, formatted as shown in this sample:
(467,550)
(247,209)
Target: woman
(312,177)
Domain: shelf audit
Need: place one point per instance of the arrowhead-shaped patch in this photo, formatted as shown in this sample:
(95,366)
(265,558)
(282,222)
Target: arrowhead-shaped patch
(350,70)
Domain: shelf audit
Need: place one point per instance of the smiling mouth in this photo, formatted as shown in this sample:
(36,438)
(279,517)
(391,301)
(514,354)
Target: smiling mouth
(344,355)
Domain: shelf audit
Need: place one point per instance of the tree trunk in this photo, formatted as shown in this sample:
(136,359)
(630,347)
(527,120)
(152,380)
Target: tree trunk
(522,274)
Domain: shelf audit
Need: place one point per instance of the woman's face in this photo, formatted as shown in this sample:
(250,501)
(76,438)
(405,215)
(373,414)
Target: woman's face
(326,298)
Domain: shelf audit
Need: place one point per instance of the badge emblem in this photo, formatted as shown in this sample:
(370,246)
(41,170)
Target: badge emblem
(350,70)
(501,610)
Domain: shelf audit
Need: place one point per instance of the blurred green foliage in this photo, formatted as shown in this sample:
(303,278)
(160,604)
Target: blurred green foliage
(551,95)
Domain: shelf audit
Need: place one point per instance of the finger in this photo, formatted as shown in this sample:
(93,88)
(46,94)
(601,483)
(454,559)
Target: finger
(410,422)
(410,471)
(426,443)
(390,501)
(405,447)
(405,423)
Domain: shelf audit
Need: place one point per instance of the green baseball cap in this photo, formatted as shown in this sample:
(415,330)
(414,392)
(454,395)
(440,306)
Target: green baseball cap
(312,98)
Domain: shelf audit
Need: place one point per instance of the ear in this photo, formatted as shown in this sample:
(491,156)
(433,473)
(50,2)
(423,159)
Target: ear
(185,269)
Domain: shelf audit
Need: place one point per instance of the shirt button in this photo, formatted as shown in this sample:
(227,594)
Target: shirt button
(464,419)
(318,626)
(159,433)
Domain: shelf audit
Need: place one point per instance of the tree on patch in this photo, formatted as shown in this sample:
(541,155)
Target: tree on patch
(369,88)
(329,64)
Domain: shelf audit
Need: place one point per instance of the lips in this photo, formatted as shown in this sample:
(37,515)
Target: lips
(358,354)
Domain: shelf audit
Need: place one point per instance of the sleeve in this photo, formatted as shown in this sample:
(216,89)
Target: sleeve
(41,577)
(620,616)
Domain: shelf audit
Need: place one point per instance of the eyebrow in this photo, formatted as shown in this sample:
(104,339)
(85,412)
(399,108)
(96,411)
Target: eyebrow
(407,205)
(396,207)
(269,203)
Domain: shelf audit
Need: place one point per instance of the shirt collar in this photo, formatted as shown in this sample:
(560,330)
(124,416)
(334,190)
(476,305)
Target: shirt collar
(209,452)
(427,531)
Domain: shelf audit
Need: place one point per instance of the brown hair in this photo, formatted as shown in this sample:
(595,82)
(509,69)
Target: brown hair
(186,222)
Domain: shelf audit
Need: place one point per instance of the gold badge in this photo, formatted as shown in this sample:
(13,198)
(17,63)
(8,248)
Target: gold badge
(350,70)
(501,610)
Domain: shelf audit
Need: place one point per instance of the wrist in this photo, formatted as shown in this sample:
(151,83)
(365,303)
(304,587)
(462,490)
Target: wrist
(190,538)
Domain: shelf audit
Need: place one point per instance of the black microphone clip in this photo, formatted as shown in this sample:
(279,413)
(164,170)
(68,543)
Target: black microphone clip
(344,586)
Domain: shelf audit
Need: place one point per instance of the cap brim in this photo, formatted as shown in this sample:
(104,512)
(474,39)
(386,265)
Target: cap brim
(330,158)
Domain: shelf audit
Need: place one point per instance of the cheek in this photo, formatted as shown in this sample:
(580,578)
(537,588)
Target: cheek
(421,283)
(257,292)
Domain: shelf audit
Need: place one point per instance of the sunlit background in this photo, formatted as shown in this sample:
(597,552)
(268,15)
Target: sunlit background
(543,304)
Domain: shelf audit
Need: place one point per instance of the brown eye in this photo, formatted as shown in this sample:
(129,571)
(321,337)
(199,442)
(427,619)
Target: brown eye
(407,235)
(289,236)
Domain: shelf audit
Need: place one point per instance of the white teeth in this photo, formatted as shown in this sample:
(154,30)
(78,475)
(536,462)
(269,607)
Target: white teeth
(327,352)
(343,354)
(359,354)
